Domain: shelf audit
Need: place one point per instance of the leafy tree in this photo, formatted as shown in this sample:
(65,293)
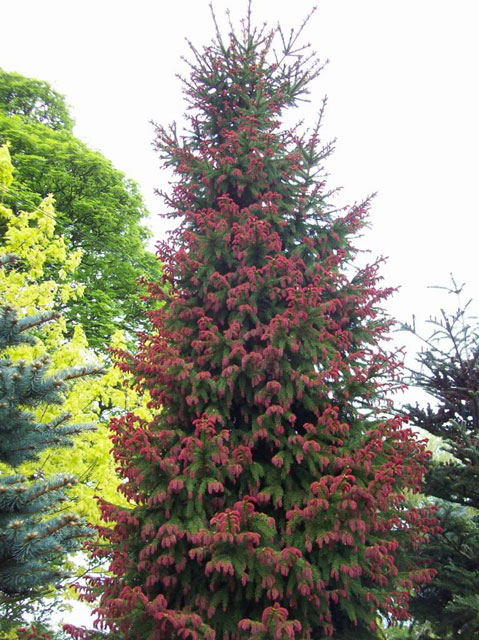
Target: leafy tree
(33,100)
(449,372)
(35,534)
(269,485)
(44,279)
(40,279)
(99,210)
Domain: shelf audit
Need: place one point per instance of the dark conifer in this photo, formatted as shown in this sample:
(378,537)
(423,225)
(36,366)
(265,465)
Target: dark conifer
(449,373)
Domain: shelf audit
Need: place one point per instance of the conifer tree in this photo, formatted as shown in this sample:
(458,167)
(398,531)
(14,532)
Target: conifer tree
(449,373)
(268,490)
(32,545)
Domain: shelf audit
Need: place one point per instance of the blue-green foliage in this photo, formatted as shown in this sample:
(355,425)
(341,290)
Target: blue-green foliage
(35,535)
(25,384)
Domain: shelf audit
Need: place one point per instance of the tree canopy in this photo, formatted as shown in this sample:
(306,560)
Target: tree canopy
(34,100)
(37,276)
(36,534)
(44,279)
(99,210)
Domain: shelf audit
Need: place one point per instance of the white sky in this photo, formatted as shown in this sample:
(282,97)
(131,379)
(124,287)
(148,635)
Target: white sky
(403,103)
(403,97)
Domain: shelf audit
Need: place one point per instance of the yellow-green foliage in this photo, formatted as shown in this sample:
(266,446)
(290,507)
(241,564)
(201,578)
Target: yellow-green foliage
(42,279)
(6,169)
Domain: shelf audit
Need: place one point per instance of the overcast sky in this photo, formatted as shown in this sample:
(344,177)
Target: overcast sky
(402,85)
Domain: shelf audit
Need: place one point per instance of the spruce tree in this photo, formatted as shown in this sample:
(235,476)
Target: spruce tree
(449,373)
(35,534)
(268,492)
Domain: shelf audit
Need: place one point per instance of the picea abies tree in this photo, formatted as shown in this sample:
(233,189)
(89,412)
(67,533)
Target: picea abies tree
(268,492)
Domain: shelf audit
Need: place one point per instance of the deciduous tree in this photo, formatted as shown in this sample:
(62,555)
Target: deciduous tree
(44,279)
(37,275)
(99,210)
(35,534)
